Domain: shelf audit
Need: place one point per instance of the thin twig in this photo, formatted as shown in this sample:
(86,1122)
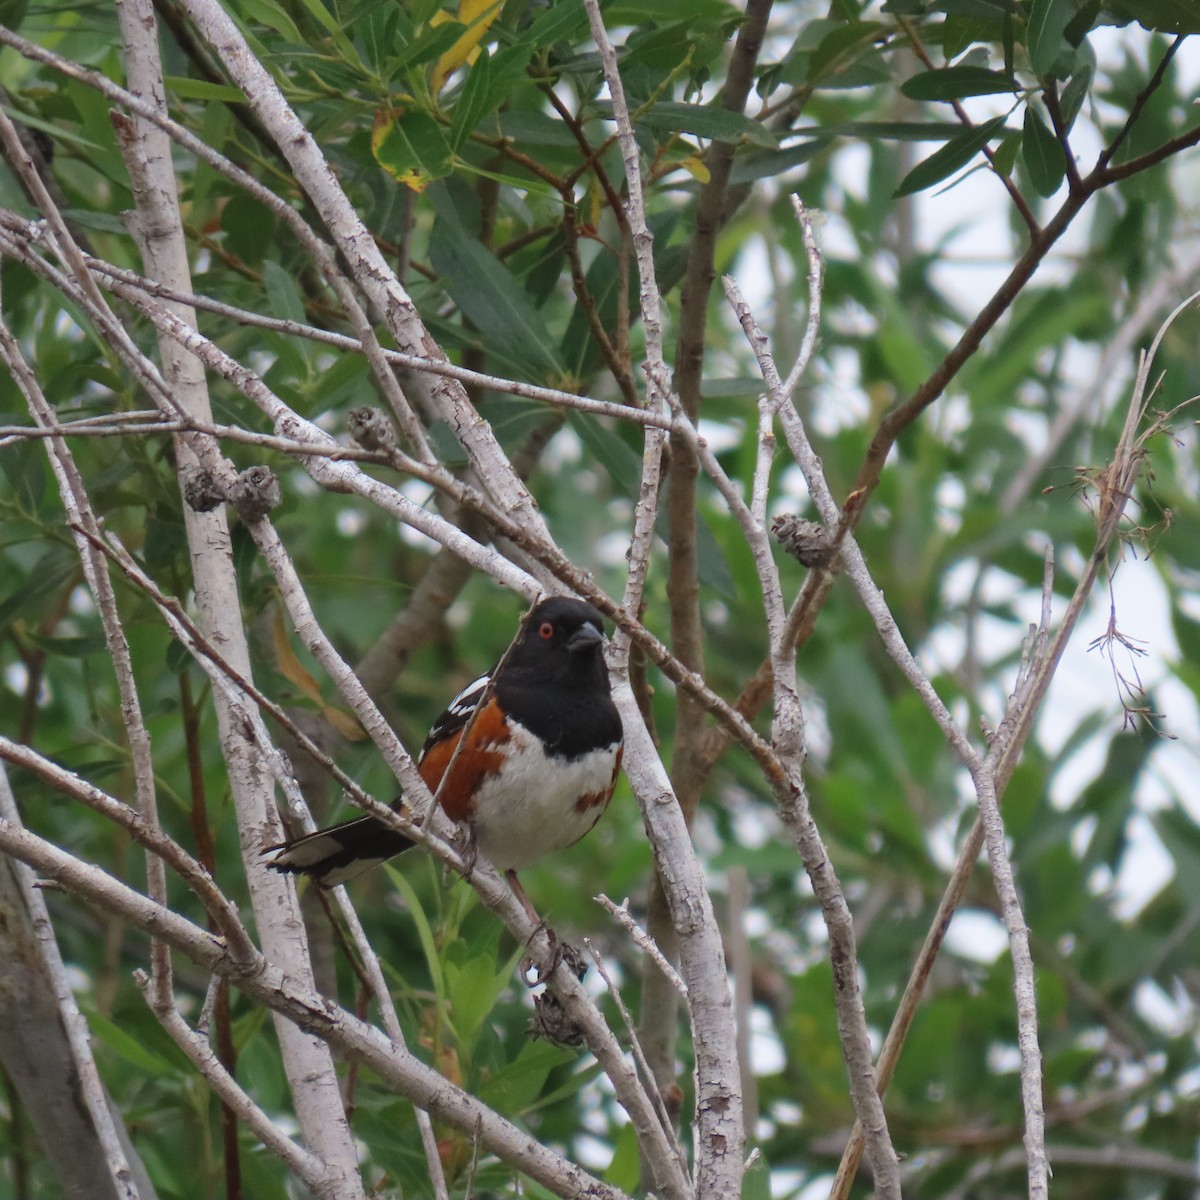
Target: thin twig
(239,948)
(90,1086)
(301,1005)
(792,798)
(650,1083)
(960,112)
(720,1133)
(643,941)
(307,1167)
(1016,728)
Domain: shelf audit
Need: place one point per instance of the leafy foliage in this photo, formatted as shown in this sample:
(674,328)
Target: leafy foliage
(477,144)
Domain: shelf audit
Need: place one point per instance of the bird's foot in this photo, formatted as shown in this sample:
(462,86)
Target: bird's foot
(560,952)
(551,1021)
(468,847)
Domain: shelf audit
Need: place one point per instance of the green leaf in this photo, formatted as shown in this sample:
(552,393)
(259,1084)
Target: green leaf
(903,353)
(749,167)
(248,226)
(490,82)
(331,25)
(1080,25)
(1074,94)
(610,450)
(711,565)
(653,12)
(622,1170)
(178,657)
(273,16)
(472,105)
(955,83)
(286,301)
(1048,20)
(429,45)
(70,647)
(954,154)
(1054,317)
(411,147)
(12,13)
(24,467)
(57,133)
(1181,839)
(428,943)
(1004,157)
(378,30)
(49,574)
(888,131)
(1163,16)
(133,1050)
(473,988)
(1042,154)
(201,89)
(756,1183)
(536,129)
(703,120)
(835,49)
(564,22)
(514,1087)
(491,299)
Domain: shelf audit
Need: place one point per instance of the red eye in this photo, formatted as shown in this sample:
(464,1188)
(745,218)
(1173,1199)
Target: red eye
(546,630)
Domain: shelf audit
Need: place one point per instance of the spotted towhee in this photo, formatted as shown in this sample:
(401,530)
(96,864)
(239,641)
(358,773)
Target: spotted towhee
(537,770)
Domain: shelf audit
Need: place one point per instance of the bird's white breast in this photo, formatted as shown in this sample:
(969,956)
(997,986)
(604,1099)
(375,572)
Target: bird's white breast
(531,807)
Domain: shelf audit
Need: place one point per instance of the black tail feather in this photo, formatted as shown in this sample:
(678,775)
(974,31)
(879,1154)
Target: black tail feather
(340,853)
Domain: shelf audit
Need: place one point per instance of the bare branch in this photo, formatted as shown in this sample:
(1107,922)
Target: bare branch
(643,240)
(45,1044)
(302,1007)
(787,738)
(305,1166)
(643,941)
(372,272)
(635,1046)
(1017,726)
(158,229)
(79,514)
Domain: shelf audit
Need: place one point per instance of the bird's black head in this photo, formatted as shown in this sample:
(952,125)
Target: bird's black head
(561,641)
(555,681)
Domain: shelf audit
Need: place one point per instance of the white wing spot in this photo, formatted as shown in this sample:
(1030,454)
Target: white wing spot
(469,697)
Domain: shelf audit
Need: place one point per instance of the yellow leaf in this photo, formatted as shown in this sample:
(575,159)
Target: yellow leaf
(477,16)
(695,168)
(345,723)
(385,118)
(292,669)
(414,181)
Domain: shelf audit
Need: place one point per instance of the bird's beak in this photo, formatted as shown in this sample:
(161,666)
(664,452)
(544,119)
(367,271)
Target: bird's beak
(586,637)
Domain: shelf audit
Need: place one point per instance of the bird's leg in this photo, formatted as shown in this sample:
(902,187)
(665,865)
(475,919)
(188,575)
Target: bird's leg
(526,904)
(557,950)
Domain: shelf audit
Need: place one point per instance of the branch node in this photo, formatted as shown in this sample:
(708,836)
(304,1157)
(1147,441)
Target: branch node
(201,490)
(808,542)
(371,428)
(255,492)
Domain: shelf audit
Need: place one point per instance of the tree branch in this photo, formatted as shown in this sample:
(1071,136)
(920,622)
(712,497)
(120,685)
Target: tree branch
(302,1007)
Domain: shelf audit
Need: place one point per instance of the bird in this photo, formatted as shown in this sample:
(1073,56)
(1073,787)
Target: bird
(536,773)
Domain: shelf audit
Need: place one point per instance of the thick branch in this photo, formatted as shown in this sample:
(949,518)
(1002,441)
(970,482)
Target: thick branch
(159,231)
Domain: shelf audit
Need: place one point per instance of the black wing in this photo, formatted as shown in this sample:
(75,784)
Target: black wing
(457,713)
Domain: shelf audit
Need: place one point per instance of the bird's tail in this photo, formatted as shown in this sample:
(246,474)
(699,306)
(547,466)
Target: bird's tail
(340,853)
